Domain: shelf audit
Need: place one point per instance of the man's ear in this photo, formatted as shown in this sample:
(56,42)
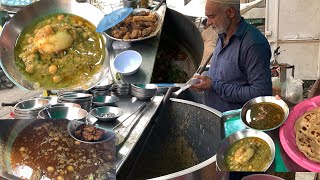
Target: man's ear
(231,12)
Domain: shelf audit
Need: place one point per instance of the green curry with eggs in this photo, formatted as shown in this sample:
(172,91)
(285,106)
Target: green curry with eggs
(59,51)
(248,154)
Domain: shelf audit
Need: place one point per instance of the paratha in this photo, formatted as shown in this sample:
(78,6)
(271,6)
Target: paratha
(307,130)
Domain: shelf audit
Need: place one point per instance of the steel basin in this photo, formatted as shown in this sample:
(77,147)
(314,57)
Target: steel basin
(181,144)
(179,33)
(9,131)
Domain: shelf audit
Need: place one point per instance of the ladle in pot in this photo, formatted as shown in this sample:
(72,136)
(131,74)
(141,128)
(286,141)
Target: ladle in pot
(192,80)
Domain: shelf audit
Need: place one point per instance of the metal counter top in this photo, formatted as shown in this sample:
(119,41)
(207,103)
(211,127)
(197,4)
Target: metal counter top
(129,105)
(147,48)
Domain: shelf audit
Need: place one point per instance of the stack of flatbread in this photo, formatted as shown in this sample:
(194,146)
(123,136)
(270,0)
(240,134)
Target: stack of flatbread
(307,129)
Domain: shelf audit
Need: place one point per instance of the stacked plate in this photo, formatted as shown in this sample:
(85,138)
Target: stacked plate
(66,105)
(144,92)
(121,89)
(71,92)
(30,108)
(84,100)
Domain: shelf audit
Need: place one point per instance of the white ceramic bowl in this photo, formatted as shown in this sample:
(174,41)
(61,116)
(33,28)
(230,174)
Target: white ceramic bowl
(128,62)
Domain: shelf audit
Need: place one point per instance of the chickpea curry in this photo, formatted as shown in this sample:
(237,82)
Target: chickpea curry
(248,154)
(46,148)
(59,51)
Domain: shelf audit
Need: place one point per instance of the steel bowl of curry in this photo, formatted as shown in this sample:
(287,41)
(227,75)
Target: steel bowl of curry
(54,45)
(264,113)
(246,150)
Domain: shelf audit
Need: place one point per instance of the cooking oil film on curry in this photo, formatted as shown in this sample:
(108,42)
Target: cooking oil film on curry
(34,57)
(50,152)
(264,113)
(246,150)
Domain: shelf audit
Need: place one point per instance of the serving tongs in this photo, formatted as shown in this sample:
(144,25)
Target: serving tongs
(124,135)
(138,110)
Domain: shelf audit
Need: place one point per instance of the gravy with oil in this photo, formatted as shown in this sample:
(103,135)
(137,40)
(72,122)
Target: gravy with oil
(264,115)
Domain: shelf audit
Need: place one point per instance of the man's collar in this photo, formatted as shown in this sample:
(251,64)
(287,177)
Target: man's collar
(241,28)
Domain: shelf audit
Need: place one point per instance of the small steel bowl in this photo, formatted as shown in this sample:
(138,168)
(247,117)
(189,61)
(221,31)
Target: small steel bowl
(104,100)
(145,87)
(70,113)
(271,99)
(32,104)
(144,92)
(60,93)
(73,126)
(100,111)
(228,141)
(75,96)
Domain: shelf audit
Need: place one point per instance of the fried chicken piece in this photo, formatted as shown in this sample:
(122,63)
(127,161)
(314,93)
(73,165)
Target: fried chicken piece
(127,36)
(136,26)
(128,20)
(150,24)
(135,34)
(149,18)
(147,31)
(118,34)
(142,13)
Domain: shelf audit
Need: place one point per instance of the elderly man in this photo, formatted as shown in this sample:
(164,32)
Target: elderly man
(240,66)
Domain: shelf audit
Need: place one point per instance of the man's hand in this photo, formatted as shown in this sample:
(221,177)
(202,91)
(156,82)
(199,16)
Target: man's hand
(205,83)
(277,97)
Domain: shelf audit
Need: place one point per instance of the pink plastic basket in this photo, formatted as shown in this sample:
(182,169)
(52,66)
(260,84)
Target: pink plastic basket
(287,134)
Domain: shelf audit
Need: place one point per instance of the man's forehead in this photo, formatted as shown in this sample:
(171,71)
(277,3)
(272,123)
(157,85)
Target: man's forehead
(211,8)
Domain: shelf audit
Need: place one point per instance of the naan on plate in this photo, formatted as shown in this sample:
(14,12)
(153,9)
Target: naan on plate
(307,130)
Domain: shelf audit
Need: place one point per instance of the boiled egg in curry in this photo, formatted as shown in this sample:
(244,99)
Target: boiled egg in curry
(49,41)
(248,154)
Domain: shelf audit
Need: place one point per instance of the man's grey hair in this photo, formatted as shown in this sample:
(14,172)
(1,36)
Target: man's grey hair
(225,6)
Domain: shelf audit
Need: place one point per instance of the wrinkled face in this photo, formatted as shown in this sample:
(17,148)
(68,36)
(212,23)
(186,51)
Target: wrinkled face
(218,18)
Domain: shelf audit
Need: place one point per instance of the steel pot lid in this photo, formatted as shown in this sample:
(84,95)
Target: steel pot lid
(113,18)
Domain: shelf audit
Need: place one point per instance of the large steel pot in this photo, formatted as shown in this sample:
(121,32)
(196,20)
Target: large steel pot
(10,129)
(179,34)
(181,145)
(27,15)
